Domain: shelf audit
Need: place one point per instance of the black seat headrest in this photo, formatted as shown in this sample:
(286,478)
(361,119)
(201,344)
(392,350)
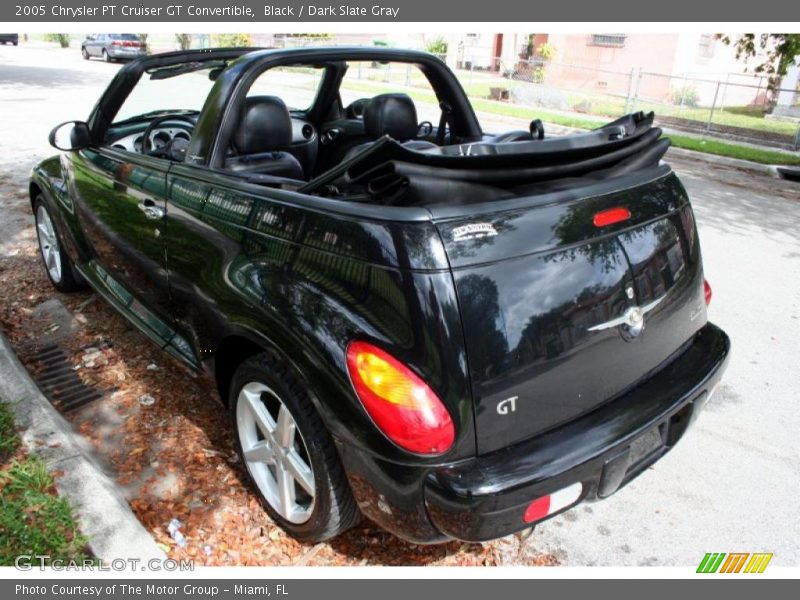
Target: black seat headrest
(265,126)
(393,115)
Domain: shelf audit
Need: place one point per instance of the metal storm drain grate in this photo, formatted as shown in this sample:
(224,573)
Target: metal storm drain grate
(59,381)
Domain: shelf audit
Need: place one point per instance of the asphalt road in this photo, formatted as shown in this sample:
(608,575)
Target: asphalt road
(730,485)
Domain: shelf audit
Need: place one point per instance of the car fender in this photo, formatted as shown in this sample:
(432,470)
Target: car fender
(51,178)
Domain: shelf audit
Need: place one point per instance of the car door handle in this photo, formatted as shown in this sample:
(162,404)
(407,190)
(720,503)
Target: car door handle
(150,210)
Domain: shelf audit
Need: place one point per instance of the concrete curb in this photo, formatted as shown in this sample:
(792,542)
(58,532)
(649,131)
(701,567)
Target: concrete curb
(102,512)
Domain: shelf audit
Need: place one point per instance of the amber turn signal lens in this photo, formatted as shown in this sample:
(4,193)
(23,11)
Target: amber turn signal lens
(400,403)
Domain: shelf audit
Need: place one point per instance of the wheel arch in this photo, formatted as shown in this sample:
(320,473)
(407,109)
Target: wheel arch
(35,190)
(232,350)
(239,344)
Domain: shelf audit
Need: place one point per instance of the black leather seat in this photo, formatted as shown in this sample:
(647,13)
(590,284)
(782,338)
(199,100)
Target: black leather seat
(394,115)
(262,138)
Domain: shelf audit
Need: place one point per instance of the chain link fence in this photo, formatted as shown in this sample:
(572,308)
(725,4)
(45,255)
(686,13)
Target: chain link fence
(735,106)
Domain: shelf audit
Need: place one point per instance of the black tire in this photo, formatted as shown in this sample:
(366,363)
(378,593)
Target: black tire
(70,280)
(335,511)
(85,53)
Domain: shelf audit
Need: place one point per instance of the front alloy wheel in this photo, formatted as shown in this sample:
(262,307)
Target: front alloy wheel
(56,262)
(48,244)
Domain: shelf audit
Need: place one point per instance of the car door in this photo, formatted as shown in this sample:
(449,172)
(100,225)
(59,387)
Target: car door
(120,201)
(92,44)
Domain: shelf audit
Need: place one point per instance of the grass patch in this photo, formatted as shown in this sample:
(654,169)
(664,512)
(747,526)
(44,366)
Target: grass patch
(33,519)
(8,435)
(766,157)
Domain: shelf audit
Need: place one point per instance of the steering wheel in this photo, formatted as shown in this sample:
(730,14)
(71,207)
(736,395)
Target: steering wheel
(425,129)
(168,151)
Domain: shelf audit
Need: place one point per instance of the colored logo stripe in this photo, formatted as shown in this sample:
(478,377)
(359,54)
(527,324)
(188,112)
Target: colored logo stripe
(758,562)
(711,562)
(714,562)
(734,562)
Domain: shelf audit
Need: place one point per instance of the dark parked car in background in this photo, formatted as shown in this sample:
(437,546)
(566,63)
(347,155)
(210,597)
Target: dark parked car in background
(9,38)
(113,46)
(455,333)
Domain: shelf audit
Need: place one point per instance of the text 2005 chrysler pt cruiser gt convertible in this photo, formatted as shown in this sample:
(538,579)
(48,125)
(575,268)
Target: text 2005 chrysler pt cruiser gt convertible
(456,334)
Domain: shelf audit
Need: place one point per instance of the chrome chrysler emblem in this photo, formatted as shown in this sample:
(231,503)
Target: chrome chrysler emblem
(631,321)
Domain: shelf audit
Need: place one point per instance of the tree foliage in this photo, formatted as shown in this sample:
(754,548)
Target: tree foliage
(62,39)
(184,40)
(779,51)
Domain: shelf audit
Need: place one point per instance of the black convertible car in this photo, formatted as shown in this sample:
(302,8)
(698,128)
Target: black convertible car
(454,333)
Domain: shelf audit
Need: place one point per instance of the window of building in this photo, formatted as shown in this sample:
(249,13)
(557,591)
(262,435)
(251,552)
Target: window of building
(706,45)
(613,40)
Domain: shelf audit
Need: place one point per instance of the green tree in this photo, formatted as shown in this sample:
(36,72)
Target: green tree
(780,51)
(62,39)
(184,40)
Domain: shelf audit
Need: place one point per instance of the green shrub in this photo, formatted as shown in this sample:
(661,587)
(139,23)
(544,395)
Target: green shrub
(437,45)
(685,96)
(234,40)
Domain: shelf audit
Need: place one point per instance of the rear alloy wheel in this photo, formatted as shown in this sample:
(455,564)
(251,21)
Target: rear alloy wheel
(289,453)
(84,53)
(275,452)
(106,57)
(56,262)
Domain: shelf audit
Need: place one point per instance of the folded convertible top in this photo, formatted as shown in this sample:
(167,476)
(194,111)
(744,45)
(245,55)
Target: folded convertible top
(388,170)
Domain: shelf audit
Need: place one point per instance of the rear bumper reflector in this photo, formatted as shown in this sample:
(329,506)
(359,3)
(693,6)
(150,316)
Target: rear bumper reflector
(552,503)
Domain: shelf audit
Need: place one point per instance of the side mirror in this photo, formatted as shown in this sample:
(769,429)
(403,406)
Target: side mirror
(71,135)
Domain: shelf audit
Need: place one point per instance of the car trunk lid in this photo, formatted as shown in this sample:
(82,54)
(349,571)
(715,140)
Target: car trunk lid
(543,290)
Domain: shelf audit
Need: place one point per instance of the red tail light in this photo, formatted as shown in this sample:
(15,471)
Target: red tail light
(403,406)
(611,216)
(116,43)
(707,291)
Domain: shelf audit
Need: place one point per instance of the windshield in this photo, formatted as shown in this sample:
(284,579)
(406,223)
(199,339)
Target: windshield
(181,92)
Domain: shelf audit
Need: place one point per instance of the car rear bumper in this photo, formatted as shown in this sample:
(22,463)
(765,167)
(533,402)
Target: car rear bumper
(122,52)
(486,497)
